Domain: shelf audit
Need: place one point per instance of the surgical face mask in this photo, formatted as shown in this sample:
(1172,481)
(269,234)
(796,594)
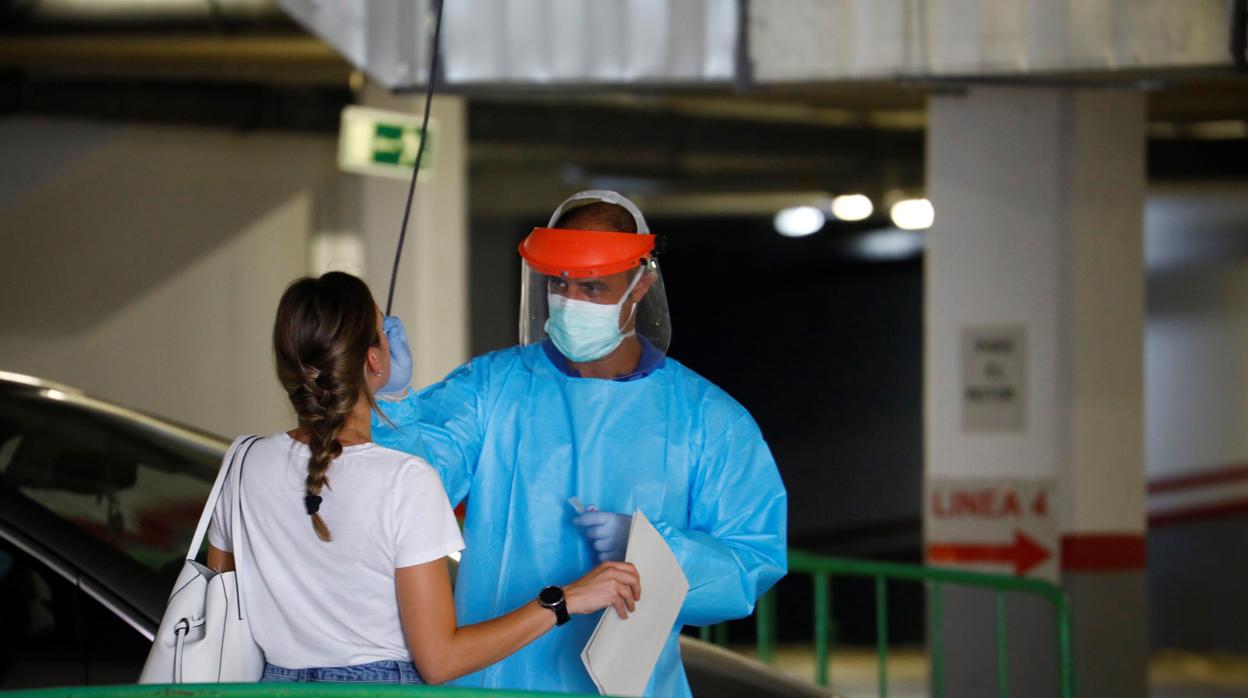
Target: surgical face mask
(584,331)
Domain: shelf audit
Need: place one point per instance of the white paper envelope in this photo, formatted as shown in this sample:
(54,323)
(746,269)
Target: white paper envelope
(621,654)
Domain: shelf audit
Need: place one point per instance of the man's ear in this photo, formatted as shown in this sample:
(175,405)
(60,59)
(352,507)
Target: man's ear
(647,280)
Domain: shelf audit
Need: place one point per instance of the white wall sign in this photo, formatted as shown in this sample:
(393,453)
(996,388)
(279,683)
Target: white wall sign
(384,143)
(1004,526)
(994,363)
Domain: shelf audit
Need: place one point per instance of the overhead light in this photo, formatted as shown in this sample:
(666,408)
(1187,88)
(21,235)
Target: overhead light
(852,207)
(889,244)
(912,214)
(799,221)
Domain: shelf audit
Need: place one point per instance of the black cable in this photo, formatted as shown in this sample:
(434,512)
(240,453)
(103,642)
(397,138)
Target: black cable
(420,150)
(1239,34)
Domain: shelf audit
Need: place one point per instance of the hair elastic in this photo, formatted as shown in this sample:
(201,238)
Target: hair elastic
(312,503)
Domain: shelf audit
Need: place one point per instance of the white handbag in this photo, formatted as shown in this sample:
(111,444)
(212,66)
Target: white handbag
(204,636)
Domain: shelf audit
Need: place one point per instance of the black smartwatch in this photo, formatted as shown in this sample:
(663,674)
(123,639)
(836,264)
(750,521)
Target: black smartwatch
(552,598)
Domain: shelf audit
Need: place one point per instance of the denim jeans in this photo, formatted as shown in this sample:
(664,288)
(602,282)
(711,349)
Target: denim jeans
(374,672)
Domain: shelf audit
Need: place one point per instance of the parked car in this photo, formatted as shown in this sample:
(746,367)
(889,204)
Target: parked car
(98,504)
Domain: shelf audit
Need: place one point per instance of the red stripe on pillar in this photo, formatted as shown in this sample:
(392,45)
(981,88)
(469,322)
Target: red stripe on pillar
(1103,552)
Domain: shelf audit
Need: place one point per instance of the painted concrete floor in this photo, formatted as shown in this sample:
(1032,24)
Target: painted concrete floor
(1171,674)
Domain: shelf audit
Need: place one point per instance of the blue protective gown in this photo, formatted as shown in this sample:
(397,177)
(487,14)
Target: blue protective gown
(517,436)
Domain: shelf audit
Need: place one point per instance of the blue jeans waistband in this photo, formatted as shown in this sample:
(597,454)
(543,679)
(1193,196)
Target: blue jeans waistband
(388,671)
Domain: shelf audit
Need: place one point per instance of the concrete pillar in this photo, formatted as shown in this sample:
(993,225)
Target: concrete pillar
(1034,379)
(431,295)
(336,243)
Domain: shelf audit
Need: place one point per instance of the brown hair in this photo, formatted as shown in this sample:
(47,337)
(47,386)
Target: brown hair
(324,329)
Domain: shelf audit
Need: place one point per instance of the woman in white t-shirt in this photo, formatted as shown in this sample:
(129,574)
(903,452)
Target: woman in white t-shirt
(342,552)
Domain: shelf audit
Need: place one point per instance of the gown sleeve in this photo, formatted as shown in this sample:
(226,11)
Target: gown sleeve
(735,545)
(441,424)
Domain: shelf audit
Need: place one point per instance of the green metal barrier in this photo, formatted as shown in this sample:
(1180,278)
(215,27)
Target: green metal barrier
(265,690)
(822,569)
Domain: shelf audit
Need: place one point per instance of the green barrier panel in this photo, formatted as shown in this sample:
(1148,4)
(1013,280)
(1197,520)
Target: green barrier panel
(1003,655)
(766,613)
(265,690)
(937,608)
(823,615)
(881,633)
(822,569)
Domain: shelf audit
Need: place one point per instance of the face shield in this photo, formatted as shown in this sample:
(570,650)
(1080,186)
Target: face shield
(585,266)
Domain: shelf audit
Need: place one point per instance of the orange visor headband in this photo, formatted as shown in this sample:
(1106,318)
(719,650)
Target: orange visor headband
(582,254)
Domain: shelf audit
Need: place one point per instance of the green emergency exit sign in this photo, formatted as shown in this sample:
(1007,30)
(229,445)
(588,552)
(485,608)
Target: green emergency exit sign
(384,143)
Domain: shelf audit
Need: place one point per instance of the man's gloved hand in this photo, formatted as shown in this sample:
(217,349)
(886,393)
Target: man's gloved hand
(400,356)
(607,532)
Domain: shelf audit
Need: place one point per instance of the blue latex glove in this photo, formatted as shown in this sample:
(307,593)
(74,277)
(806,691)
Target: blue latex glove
(607,532)
(400,356)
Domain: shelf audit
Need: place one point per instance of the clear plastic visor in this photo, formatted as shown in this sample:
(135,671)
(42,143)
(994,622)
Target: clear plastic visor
(650,318)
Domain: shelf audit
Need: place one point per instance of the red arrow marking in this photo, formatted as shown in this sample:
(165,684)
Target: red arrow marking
(1024,553)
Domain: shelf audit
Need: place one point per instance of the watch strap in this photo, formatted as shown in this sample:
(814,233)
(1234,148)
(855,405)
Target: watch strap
(559,608)
(561,613)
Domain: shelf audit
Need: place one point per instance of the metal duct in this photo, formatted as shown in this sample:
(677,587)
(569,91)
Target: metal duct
(828,40)
(573,41)
(568,42)
(658,43)
(387,39)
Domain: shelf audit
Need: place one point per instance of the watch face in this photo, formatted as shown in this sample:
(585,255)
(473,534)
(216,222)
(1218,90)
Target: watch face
(551,596)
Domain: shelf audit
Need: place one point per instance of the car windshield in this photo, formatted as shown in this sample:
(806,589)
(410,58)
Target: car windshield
(123,479)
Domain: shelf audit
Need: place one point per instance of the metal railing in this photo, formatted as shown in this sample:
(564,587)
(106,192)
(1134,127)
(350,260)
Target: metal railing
(822,569)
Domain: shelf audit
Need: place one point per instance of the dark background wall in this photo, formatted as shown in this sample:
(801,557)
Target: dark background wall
(1196,573)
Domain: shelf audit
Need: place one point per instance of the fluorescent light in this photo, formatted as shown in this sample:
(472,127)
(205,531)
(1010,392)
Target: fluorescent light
(912,214)
(852,207)
(889,244)
(799,221)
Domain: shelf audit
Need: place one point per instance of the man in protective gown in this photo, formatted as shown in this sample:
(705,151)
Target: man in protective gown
(588,406)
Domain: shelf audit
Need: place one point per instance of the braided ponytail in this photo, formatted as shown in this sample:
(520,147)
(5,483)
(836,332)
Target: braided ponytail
(324,329)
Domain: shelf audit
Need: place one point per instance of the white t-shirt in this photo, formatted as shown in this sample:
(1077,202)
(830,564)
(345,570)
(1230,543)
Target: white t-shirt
(315,604)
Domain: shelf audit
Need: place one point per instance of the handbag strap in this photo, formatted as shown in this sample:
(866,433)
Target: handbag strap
(205,518)
(238,534)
